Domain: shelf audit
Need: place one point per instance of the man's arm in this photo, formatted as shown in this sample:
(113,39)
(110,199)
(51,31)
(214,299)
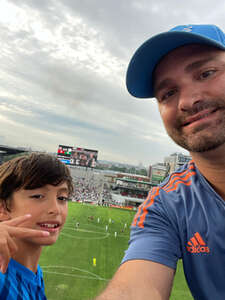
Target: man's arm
(140,280)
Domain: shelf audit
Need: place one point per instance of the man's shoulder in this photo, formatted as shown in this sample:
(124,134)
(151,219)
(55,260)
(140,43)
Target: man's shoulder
(182,178)
(177,186)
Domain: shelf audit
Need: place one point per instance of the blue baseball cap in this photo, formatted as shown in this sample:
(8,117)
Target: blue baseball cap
(139,78)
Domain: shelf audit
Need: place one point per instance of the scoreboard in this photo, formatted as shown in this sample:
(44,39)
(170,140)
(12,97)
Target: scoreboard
(77,156)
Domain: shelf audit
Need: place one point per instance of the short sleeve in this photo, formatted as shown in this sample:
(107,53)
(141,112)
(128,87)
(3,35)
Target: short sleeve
(153,236)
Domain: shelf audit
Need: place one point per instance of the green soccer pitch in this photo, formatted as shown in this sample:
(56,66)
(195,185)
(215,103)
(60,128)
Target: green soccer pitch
(85,257)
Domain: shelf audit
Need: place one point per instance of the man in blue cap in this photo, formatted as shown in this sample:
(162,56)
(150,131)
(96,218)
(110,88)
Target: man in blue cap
(184,217)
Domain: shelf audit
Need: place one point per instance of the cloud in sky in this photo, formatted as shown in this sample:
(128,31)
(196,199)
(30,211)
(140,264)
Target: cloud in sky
(63,67)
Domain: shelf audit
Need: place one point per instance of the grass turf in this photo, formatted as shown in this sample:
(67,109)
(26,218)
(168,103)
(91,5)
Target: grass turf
(68,267)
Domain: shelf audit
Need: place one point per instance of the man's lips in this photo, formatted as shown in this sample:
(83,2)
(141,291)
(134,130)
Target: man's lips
(199,116)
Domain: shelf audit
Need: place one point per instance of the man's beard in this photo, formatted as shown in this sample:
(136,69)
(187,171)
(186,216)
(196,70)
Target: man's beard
(201,139)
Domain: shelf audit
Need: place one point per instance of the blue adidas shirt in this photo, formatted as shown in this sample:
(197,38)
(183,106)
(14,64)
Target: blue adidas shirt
(184,218)
(20,283)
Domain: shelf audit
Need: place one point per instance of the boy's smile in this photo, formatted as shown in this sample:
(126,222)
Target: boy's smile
(49,226)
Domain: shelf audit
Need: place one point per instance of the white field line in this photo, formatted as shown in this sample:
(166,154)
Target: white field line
(85,238)
(89,225)
(92,275)
(74,229)
(83,230)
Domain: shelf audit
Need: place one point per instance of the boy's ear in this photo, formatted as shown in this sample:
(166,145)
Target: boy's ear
(4,214)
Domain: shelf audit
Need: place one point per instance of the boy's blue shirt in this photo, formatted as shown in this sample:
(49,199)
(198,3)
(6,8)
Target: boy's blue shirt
(20,283)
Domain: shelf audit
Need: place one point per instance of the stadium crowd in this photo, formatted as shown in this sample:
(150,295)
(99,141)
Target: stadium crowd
(86,190)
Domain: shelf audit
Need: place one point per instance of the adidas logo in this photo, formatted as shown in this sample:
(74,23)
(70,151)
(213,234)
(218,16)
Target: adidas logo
(197,245)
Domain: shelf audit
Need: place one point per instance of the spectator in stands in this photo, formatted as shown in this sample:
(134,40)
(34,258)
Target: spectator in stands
(34,190)
(183,217)
(87,190)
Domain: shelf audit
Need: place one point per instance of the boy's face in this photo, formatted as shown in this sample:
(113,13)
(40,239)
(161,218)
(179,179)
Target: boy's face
(48,206)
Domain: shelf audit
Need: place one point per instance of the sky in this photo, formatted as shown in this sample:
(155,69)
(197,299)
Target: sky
(63,67)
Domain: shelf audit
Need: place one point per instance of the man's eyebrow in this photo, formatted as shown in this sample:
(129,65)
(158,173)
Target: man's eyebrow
(197,64)
(163,84)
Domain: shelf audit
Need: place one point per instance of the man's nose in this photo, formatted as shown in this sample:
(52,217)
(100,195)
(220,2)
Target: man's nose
(189,97)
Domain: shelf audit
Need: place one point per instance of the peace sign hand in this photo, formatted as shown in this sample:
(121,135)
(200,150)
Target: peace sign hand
(9,230)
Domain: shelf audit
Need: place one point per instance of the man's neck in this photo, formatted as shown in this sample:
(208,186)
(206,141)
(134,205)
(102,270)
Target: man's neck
(212,166)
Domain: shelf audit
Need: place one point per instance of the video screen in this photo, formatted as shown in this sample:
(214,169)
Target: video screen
(77,156)
(64,151)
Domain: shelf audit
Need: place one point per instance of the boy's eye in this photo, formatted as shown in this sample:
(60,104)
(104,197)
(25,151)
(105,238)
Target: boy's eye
(63,198)
(38,196)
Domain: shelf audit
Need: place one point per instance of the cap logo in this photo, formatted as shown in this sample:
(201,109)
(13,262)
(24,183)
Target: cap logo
(188,28)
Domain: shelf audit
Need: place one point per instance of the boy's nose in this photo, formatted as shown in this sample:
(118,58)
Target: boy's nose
(53,207)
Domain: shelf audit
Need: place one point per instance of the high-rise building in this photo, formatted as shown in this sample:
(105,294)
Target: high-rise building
(176,160)
(158,172)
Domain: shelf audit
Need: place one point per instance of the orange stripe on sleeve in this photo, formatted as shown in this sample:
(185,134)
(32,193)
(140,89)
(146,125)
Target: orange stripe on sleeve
(134,223)
(174,177)
(145,211)
(177,175)
(191,164)
(177,183)
(180,180)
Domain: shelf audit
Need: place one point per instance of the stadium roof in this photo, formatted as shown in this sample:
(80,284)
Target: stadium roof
(6,150)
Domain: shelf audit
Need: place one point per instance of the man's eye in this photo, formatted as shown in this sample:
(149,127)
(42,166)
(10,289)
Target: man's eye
(62,198)
(206,74)
(167,95)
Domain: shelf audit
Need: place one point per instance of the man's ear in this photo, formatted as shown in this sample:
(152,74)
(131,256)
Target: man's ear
(4,214)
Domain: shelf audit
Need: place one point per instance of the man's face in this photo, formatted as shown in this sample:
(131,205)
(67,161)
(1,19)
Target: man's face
(190,88)
(48,207)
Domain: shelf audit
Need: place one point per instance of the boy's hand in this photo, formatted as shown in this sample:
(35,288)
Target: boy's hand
(9,230)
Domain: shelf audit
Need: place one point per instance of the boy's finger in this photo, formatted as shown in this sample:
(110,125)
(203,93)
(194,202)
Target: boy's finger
(4,258)
(18,220)
(8,253)
(22,232)
(4,268)
(12,246)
